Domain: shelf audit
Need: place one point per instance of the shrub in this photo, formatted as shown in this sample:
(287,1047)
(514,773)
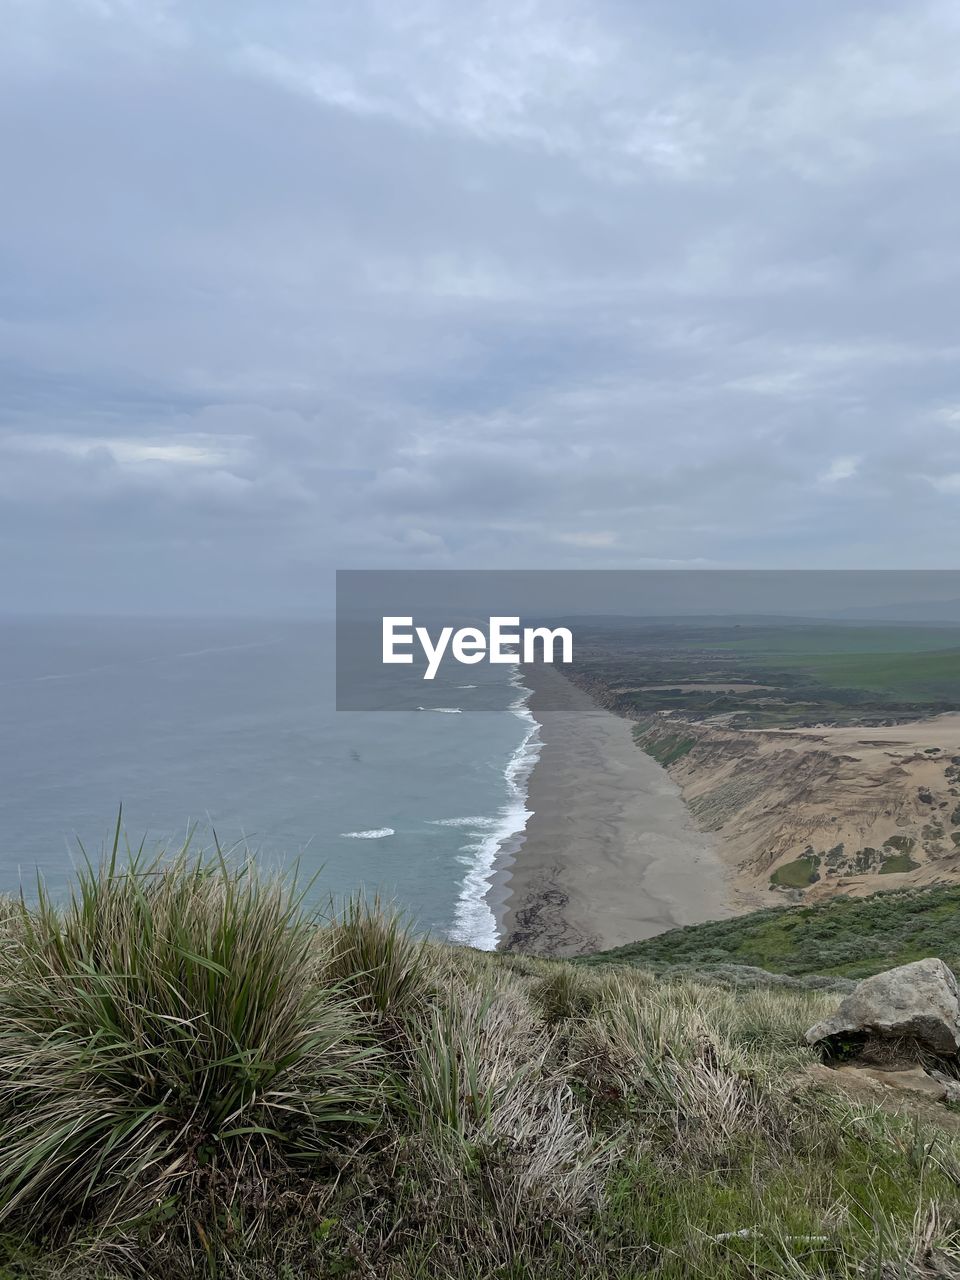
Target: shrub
(474,1051)
(164,1028)
(564,992)
(372,955)
(489,1099)
(182,1043)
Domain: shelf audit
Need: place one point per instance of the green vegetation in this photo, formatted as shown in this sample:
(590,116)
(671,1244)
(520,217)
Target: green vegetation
(926,677)
(899,862)
(790,674)
(847,937)
(199,1077)
(902,844)
(666,749)
(798,874)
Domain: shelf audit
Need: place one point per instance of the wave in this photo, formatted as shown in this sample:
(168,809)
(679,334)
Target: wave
(466,686)
(375,833)
(462,822)
(474,922)
(448,711)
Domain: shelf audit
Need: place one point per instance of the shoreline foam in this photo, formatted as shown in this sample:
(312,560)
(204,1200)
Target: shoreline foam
(478,916)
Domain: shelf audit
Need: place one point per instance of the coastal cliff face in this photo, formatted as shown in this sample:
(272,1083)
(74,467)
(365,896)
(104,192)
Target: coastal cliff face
(825,758)
(806,813)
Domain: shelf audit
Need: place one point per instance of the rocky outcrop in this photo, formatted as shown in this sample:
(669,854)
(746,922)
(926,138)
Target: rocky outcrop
(916,1002)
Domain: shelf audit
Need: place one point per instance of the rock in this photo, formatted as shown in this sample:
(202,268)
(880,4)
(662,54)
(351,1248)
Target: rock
(916,1080)
(917,1001)
(900,1093)
(951,1087)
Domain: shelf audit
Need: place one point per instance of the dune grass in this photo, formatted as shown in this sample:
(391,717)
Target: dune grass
(199,1076)
(164,1034)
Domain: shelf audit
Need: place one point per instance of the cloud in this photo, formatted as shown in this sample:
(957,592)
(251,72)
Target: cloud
(290,287)
(183,452)
(589,539)
(840,469)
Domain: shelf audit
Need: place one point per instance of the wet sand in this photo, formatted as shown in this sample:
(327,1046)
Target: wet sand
(610,854)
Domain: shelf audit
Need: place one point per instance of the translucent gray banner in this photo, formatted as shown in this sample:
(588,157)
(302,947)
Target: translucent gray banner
(447,641)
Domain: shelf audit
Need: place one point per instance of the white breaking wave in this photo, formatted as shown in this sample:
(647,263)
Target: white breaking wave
(474,921)
(447,711)
(463,822)
(375,833)
(466,686)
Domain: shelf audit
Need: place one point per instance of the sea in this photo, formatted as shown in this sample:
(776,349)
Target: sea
(227,729)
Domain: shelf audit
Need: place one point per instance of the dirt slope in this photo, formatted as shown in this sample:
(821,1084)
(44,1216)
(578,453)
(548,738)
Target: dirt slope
(806,813)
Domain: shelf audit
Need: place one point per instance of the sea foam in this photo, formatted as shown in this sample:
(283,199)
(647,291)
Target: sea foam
(474,921)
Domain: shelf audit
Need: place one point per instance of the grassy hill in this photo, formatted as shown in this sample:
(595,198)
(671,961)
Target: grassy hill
(846,937)
(199,1077)
(771,674)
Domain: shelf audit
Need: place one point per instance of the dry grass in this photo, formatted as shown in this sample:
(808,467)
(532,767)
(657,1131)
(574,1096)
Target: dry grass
(197,1077)
(371,954)
(163,1030)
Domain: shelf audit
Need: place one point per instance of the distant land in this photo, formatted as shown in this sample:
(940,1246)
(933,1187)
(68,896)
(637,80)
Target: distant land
(825,754)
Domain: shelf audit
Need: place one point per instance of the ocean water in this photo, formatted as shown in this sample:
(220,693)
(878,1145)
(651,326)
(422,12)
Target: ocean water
(229,726)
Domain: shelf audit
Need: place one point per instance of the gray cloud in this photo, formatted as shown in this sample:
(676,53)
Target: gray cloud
(289,287)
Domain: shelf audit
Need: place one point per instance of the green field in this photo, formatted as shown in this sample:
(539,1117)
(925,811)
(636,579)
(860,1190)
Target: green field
(816,638)
(927,676)
(797,673)
(908,662)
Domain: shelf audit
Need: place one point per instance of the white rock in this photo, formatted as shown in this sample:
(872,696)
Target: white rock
(918,1000)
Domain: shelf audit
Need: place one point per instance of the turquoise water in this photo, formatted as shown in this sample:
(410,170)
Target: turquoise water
(230,726)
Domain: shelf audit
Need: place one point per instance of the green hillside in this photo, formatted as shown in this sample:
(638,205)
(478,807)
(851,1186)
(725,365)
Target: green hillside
(845,937)
(776,674)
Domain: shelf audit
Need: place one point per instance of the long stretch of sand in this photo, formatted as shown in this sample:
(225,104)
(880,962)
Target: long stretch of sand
(610,854)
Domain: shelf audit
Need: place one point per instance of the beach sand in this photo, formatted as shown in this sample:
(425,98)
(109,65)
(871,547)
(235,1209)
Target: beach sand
(610,854)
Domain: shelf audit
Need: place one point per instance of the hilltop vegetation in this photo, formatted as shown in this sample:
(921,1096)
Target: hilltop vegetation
(199,1077)
(763,674)
(845,937)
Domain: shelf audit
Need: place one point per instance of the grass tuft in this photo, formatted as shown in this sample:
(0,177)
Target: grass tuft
(372,954)
(565,992)
(162,1030)
(199,1077)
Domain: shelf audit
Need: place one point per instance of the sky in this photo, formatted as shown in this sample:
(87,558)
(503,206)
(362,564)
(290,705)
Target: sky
(293,286)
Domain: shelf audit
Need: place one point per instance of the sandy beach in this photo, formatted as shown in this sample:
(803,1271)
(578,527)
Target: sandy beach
(610,854)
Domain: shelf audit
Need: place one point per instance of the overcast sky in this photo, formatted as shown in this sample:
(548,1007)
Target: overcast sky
(289,286)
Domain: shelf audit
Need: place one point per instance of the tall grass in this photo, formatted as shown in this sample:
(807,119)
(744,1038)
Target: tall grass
(474,1052)
(372,954)
(162,1027)
(199,1076)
